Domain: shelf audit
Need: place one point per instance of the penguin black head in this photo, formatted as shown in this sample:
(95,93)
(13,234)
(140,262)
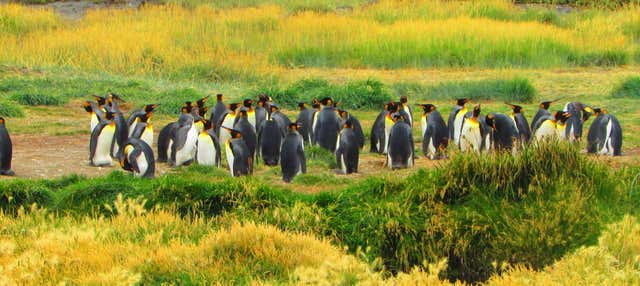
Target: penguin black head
(247,103)
(219,96)
(203,111)
(150,107)
(294,126)
(242,113)
(187,107)
(87,106)
(403,99)
(202,101)
(327,101)
(273,108)
(302,106)
(391,107)
(490,120)
(234,133)
(476,111)
(208,124)
(2,120)
(315,103)
(112,96)
(515,108)
(546,104)
(427,108)
(397,117)
(343,113)
(586,113)
(233,106)
(461,101)
(109,115)
(348,124)
(100,100)
(561,116)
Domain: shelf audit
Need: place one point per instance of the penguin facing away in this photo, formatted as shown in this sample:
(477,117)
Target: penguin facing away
(101,141)
(575,123)
(183,149)
(165,141)
(304,119)
(238,158)
(315,104)
(137,157)
(219,109)
(292,158)
(327,125)
(605,134)
(248,134)
(6,150)
(505,132)
(261,112)
(348,151)
(517,115)
(435,134)
(208,152)
(400,148)
(345,117)
(471,138)
(404,105)
(270,140)
(282,120)
(377,133)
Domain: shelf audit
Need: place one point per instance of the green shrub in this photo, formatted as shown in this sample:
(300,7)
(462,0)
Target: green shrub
(22,194)
(319,156)
(10,109)
(516,89)
(35,99)
(171,101)
(630,87)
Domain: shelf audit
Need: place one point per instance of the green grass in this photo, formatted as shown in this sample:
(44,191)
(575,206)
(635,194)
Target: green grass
(10,109)
(472,210)
(517,90)
(630,88)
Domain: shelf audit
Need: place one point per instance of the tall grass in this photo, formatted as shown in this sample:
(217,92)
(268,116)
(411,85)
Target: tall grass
(208,43)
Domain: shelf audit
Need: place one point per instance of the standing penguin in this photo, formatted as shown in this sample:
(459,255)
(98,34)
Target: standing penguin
(6,150)
(304,119)
(122,129)
(208,152)
(137,157)
(400,148)
(543,111)
(471,138)
(183,149)
(404,105)
(576,121)
(226,120)
(456,118)
(101,141)
(504,131)
(547,125)
(247,106)
(261,112)
(279,117)
(292,159)
(143,129)
(605,134)
(521,123)
(348,152)
(238,157)
(377,132)
(138,115)
(355,125)
(218,110)
(435,134)
(248,134)
(270,140)
(165,141)
(327,126)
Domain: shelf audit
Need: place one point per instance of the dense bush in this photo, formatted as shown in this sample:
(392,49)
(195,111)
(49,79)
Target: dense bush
(630,87)
(516,89)
(34,99)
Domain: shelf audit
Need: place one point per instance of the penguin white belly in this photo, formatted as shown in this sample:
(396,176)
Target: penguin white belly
(388,124)
(230,157)
(408,111)
(561,131)
(337,141)
(547,129)
(607,148)
(343,166)
(94,121)
(143,165)
(169,146)
(102,154)
(423,123)
(147,135)
(251,116)
(188,149)
(206,154)
(513,118)
(132,127)
(470,137)
(431,149)
(227,122)
(457,125)
(315,121)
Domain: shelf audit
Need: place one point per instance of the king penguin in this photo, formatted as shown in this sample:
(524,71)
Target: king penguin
(304,119)
(471,138)
(547,125)
(279,117)
(6,150)
(292,159)
(238,158)
(327,125)
(348,151)
(435,134)
(226,120)
(248,134)
(138,115)
(219,109)
(400,146)
(165,141)
(183,149)
(456,118)
(261,112)
(137,157)
(315,104)
(95,114)
(122,129)
(143,129)
(543,111)
(345,117)
(504,131)
(524,131)
(208,153)
(270,140)
(404,105)
(605,134)
(247,106)
(101,141)
(575,123)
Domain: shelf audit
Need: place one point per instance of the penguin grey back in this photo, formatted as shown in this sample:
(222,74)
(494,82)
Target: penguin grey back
(327,128)
(270,140)
(6,150)
(400,151)
(292,159)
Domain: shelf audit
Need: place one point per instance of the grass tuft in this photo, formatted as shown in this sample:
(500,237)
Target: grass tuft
(10,109)
(630,87)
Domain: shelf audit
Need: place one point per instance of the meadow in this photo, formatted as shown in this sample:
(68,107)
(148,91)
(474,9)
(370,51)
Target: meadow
(551,215)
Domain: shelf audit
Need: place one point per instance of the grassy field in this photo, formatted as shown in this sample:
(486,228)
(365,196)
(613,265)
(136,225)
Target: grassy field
(551,215)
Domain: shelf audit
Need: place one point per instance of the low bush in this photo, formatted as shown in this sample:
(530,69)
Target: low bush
(630,87)
(35,99)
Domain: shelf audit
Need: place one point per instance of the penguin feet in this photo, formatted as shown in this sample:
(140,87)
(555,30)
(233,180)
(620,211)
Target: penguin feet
(7,173)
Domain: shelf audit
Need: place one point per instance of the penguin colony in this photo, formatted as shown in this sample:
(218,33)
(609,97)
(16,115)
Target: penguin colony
(262,132)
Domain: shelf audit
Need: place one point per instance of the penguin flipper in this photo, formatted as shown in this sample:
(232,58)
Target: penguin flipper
(303,159)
